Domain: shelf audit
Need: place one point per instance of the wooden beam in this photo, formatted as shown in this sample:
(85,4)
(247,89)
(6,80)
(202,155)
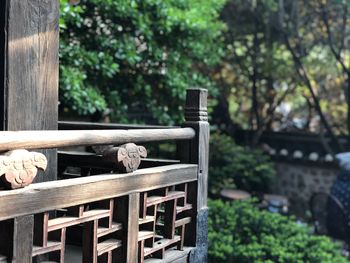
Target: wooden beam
(133,228)
(78,125)
(196,152)
(56,139)
(29,86)
(91,160)
(42,197)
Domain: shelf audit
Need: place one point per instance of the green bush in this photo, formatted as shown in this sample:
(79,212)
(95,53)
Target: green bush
(233,166)
(136,56)
(239,232)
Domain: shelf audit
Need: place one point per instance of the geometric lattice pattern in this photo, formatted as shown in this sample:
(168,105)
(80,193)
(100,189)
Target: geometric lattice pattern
(97,223)
(164,214)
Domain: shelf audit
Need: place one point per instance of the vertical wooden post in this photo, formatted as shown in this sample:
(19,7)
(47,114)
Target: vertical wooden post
(127,212)
(29,37)
(196,116)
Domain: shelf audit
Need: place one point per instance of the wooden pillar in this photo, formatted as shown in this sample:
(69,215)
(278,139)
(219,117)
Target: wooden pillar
(196,116)
(29,86)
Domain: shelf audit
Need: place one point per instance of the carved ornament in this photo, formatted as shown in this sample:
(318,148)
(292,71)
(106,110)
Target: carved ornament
(18,168)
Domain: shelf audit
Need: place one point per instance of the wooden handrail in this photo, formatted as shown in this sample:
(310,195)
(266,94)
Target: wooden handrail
(78,125)
(11,140)
(48,196)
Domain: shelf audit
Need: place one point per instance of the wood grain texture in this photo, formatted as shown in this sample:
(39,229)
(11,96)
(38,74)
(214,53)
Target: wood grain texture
(196,118)
(90,160)
(32,64)
(133,228)
(31,78)
(56,139)
(23,239)
(90,242)
(195,112)
(172,256)
(29,86)
(42,197)
(127,157)
(75,125)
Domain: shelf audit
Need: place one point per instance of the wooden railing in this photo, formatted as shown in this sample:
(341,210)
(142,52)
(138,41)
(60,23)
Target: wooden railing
(115,212)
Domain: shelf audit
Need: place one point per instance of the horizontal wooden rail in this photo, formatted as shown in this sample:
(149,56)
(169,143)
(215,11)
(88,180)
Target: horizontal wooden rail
(91,160)
(43,197)
(11,140)
(77,125)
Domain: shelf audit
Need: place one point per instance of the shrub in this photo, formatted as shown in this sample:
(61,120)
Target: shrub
(232,166)
(239,232)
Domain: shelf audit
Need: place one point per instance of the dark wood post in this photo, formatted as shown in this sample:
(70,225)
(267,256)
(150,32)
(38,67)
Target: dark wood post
(196,116)
(29,37)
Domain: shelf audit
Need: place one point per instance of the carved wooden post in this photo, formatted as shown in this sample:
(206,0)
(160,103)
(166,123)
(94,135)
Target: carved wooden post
(196,116)
(29,34)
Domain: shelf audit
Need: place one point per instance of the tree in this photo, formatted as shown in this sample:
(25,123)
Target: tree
(255,75)
(135,59)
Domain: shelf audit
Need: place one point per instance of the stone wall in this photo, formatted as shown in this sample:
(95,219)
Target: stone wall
(298,181)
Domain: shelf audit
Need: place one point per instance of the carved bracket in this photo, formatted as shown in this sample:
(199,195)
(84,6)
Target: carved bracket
(127,156)
(18,168)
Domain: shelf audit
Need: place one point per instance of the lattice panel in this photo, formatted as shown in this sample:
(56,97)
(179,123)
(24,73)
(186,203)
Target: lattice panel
(164,214)
(163,217)
(98,223)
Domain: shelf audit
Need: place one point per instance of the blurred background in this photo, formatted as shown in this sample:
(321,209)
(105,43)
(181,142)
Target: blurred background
(278,76)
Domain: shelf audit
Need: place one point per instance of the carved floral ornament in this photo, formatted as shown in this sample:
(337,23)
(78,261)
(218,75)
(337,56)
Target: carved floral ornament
(18,168)
(127,157)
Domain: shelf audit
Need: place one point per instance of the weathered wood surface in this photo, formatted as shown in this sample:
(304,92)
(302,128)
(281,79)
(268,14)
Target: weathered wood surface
(172,256)
(48,196)
(18,168)
(127,157)
(91,160)
(29,86)
(133,228)
(75,125)
(55,139)
(197,153)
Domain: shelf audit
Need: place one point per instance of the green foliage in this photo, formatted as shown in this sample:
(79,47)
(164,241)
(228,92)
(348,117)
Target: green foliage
(233,166)
(136,56)
(239,232)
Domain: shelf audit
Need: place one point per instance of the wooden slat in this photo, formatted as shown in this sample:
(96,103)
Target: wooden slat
(103,231)
(180,209)
(90,242)
(107,246)
(145,235)
(182,221)
(23,239)
(40,229)
(162,243)
(147,219)
(56,139)
(153,200)
(42,197)
(67,221)
(172,256)
(169,219)
(51,246)
(132,228)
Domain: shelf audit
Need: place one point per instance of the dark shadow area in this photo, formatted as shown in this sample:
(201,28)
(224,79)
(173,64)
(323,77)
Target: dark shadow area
(2,58)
